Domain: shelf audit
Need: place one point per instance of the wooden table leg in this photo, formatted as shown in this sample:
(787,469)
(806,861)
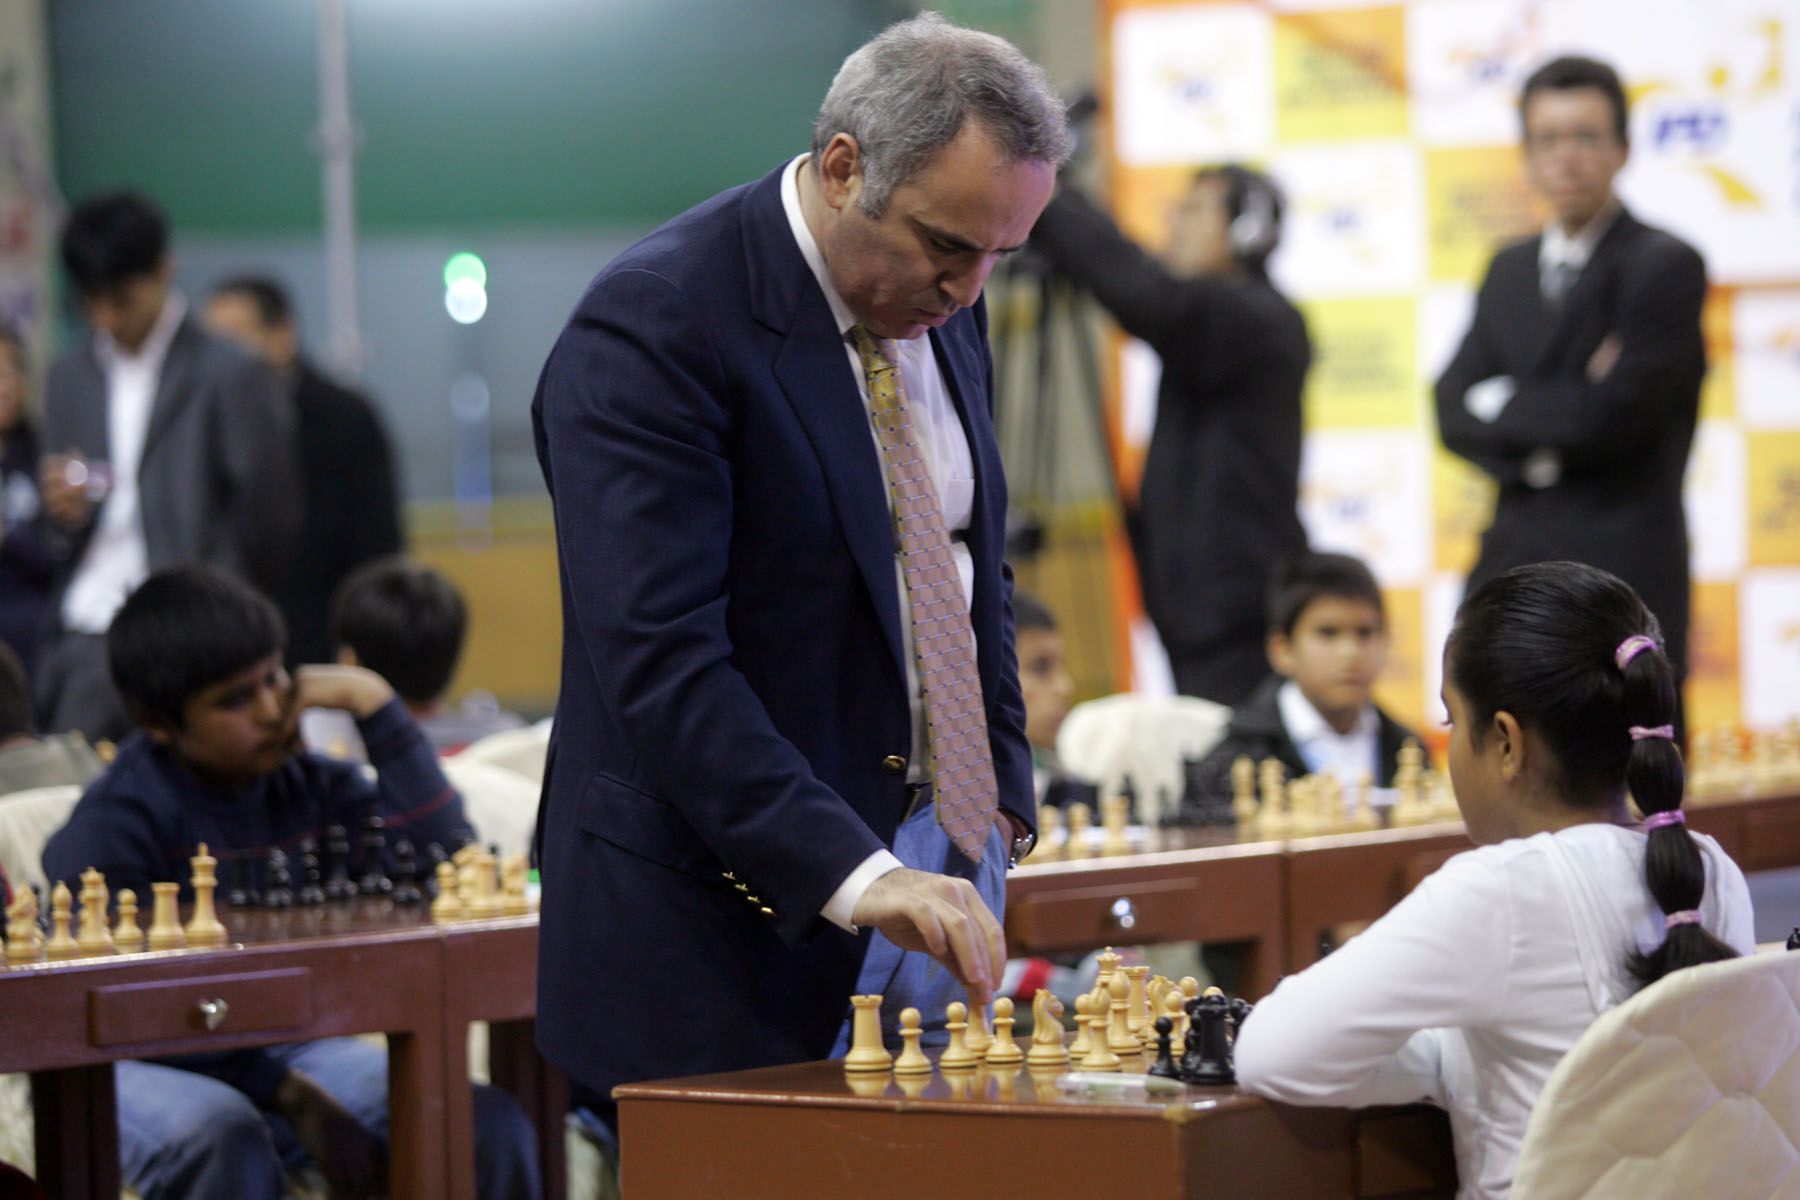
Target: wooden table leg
(77,1119)
(541,1090)
(416,1116)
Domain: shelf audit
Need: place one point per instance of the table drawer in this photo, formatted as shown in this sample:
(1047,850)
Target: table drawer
(1127,913)
(182,1009)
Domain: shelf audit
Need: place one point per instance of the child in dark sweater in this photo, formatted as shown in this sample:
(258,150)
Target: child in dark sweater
(197,658)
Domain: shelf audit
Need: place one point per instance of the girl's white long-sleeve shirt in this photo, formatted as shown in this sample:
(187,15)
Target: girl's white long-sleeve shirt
(1470,990)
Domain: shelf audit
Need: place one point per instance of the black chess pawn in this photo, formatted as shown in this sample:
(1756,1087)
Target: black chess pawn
(312,890)
(374,881)
(1794,939)
(406,873)
(1165,1051)
(337,864)
(1208,1057)
(434,854)
(278,889)
(235,870)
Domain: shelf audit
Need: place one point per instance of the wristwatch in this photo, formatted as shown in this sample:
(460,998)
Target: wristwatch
(1023,842)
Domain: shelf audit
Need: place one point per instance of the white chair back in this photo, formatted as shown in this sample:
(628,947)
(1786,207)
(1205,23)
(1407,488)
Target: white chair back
(1145,737)
(1690,1088)
(27,819)
(520,751)
(501,804)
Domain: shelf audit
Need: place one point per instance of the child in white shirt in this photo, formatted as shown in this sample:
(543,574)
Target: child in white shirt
(1472,988)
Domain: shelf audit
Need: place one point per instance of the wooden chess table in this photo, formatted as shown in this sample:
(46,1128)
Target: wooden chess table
(1276,898)
(292,975)
(811,1130)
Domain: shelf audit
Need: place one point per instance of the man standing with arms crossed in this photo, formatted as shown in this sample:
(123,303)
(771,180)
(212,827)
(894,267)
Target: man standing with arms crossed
(790,712)
(1577,386)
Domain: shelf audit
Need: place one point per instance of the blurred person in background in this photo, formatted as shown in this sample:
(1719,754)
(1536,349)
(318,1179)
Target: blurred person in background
(1216,509)
(164,446)
(346,462)
(26,566)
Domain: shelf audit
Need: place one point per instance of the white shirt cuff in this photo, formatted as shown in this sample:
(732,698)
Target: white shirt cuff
(1487,399)
(842,905)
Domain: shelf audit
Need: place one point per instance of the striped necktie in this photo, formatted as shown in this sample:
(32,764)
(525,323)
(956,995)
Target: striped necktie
(960,758)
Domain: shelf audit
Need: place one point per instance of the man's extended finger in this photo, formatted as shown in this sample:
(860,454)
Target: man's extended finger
(969,948)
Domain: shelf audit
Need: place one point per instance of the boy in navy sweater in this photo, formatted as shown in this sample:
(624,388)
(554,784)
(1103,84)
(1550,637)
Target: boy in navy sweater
(197,657)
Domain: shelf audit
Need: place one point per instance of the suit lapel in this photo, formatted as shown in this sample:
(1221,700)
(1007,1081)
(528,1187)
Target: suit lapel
(174,389)
(814,372)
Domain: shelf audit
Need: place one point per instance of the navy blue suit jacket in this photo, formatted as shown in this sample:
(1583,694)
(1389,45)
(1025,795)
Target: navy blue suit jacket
(733,695)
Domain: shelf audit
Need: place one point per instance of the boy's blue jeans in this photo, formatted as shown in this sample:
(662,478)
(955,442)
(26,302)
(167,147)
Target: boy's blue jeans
(186,1136)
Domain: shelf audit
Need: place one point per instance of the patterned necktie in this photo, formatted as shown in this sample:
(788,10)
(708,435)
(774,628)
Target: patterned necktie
(943,643)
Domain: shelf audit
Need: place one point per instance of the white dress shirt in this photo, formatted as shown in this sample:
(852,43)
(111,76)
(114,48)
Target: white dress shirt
(1324,750)
(1470,990)
(115,559)
(945,447)
(1572,250)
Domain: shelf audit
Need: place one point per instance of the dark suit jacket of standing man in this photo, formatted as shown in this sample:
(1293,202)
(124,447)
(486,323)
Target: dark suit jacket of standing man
(218,479)
(352,506)
(733,727)
(1217,503)
(1622,443)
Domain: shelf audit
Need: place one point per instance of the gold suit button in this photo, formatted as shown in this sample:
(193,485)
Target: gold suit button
(893,764)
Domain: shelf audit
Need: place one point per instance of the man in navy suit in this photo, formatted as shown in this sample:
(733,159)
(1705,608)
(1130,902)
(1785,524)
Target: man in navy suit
(740,824)
(1577,386)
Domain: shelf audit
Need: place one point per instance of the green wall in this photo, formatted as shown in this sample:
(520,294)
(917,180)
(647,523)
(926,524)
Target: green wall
(546,113)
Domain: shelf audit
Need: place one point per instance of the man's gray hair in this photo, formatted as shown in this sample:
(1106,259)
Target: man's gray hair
(906,94)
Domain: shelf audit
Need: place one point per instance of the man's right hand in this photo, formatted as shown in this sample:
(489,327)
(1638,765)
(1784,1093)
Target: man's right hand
(940,916)
(66,502)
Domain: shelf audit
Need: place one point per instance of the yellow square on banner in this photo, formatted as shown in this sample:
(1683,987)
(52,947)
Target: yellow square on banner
(1476,201)
(1400,689)
(1364,372)
(1462,502)
(1775,500)
(1142,198)
(1340,74)
(1714,691)
(1718,396)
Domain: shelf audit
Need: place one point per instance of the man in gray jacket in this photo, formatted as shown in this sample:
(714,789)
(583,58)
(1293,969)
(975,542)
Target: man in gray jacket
(164,446)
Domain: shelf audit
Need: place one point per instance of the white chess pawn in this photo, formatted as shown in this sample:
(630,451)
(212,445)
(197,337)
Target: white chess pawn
(912,1060)
(1002,1050)
(957,1056)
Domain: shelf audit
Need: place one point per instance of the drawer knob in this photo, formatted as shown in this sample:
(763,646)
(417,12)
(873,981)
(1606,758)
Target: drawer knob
(213,1012)
(1123,913)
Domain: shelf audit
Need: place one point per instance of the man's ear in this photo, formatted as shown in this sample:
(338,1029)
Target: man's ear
(161,731)
(840,171)
(1281,653)
(1510,745)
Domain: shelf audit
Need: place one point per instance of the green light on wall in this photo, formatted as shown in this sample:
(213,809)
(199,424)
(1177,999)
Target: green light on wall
(466,269)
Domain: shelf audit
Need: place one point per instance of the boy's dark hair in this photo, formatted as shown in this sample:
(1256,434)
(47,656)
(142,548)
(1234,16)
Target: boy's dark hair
(113,238)
(270,299)
(405,622)
(1031,613)
(1308,577)
(15,697)
(183,630)
(1544,643)
(1573,71)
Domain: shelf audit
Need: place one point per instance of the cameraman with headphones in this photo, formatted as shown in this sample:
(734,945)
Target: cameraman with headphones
(1216,506)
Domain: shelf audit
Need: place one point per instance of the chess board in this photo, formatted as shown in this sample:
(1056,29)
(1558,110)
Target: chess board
(811,1130)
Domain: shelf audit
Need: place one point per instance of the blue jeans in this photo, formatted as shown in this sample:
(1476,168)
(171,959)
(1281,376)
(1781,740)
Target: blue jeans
(186,1136)
(906,979)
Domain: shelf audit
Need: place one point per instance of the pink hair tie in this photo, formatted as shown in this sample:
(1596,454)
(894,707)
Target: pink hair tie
(1658,820)
(1631,647)
(1640,732)
(1687,916)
